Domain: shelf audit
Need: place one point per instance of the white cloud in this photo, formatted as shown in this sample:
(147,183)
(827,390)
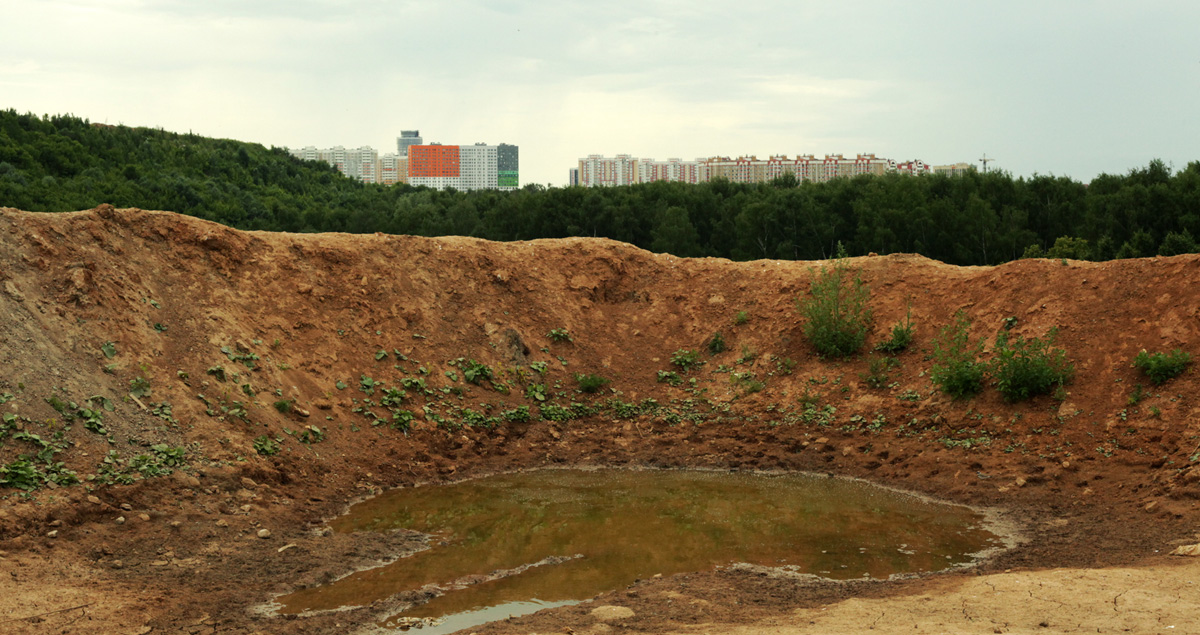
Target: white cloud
(1071,88)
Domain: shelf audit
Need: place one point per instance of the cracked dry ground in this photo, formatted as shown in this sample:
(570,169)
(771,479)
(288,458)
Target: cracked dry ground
(1100,488)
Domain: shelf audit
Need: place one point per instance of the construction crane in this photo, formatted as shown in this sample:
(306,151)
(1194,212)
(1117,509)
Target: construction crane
(985,160)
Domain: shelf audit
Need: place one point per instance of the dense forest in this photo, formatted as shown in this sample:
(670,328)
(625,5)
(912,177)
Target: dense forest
(64,163)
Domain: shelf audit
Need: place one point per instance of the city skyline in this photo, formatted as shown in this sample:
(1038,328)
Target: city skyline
(1072,89)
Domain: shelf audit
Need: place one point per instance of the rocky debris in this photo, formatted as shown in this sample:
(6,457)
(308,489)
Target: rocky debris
(1187,550)
(610,613)
(264,533)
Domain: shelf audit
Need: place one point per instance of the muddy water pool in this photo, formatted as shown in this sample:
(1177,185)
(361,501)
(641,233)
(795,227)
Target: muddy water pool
(515,543)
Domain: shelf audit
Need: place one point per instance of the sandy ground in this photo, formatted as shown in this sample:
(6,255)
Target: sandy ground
(1101,484)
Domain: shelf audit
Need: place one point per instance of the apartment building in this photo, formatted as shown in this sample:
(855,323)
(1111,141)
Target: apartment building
(474,167)
(597,170)
(356,163)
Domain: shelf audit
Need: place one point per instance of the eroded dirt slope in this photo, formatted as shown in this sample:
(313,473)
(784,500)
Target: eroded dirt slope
(207,384)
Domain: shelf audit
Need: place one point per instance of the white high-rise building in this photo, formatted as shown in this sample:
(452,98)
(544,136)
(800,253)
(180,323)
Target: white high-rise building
(356,163)
(477,167)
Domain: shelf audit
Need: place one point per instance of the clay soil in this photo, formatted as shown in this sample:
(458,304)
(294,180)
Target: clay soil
(1101,489)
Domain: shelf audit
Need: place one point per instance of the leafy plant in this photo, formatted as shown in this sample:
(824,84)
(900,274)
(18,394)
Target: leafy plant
(245,357)
(21,474)
(685,359)
(475,372)
(716,344)
(538,367)
(1024,368)
(139,387)
(1162,367)
(536,392)
(310,435)
(669,377)
(284,406)
(591,383)
(837,315)
(217,371)
(559,335)
(266,446)
(169,456)
(956,369)
(109,349)
(741,318)
(392,397)
(519,414)
(402,420)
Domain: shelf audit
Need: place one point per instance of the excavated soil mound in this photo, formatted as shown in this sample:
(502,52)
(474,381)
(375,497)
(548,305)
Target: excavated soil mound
(219,395)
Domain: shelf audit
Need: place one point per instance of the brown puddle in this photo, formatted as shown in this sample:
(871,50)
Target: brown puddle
(519,542)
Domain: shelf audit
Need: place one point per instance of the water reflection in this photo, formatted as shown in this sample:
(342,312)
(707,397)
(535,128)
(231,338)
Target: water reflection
(555,536)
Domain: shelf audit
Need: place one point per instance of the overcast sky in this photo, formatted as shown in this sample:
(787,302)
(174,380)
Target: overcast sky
(1051,87)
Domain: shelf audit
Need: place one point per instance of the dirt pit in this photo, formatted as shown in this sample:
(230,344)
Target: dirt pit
(220,396)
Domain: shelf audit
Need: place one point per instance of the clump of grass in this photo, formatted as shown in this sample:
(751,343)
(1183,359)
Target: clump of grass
(902,335)
(716,344)
(591,383)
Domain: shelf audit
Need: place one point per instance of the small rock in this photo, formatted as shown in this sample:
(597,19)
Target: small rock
(822,441)
(1151,506)
(159,563)
(608,613)
(175,524)
(264,533)
(127,507)
(248,483)
(1020,482)
(1187,550)
(95,500)
(117,564)
(144,517)
(222,523)
(53,533)
(56,523)
(245,509)
(120,520)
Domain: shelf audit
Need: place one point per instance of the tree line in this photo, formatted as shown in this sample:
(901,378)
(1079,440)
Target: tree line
(65,163)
